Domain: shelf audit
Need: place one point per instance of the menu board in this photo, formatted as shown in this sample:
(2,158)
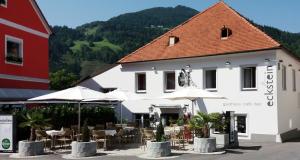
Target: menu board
(6,133)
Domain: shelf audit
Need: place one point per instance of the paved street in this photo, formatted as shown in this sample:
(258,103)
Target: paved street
(247,151)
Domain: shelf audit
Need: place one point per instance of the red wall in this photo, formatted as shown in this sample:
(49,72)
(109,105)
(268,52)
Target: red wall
(35,55)
(22,12)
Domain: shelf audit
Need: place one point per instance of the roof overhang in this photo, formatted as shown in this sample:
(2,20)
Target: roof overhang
(209,55)
(12,94)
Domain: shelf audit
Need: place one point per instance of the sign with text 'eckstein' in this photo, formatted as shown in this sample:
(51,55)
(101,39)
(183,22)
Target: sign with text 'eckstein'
(7,133)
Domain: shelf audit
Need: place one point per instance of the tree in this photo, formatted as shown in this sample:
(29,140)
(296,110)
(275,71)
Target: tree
(35,120)
(62,80)
(203,122)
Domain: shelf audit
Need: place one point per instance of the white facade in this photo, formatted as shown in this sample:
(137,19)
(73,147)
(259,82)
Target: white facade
(269,110)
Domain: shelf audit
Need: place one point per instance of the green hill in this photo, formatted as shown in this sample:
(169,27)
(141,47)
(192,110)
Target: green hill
(78,52)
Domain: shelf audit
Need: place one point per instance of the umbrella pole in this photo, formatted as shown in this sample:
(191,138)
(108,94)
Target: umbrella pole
(121,113)
(79,117)
(193,112)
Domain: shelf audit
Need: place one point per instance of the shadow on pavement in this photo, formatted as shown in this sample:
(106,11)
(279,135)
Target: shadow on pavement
(250,147)
(233,151)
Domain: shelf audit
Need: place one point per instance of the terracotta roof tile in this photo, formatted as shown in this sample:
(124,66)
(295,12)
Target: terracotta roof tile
(201,36)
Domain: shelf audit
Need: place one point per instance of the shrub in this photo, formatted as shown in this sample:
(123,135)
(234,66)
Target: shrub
(34,120)
(85,132)
(180,121)
(160,133)
(202,122)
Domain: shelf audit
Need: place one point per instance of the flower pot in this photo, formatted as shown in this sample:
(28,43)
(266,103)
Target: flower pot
(158,149)
(221,139)
(205,145)
(83,149)
(28,148)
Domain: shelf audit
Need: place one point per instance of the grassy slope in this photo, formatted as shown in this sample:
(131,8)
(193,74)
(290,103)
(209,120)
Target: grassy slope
(97,45)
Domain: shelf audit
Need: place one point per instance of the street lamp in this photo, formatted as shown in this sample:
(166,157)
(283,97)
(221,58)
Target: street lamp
(151,109)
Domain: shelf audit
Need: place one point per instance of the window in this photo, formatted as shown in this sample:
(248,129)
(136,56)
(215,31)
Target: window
(249,78)
(169,81)
(141,82)
(294,80)
(225,32)
(210,79)
(13,50)
(173,40)
(3,3)
(241,124)
(284,78)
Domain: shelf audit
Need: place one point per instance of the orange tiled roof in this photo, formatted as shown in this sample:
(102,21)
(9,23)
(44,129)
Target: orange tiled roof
(201,36)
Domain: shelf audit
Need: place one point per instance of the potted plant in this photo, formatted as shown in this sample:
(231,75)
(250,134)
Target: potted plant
(218,130)
(201,124)
(31,147)
(160,147)
(84,148)
(180,121)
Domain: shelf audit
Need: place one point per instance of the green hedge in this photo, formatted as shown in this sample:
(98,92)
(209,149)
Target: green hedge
(63,115)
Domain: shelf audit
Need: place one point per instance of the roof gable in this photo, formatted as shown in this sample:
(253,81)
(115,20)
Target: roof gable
(25,13)
(201,36)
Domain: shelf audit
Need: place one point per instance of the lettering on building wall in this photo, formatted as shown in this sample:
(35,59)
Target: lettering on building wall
(242,104)
(270,86)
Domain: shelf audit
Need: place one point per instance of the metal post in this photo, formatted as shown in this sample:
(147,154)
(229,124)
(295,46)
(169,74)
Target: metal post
(193,112)
(79,116)
(121,113)
(142,120)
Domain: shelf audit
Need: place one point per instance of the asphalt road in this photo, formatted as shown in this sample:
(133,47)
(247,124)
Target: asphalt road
(247,151)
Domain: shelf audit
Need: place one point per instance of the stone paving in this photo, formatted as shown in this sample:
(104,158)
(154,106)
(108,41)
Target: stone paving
(247,151)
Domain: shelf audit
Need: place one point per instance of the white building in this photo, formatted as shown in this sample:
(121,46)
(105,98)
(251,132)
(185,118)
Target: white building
(227,55)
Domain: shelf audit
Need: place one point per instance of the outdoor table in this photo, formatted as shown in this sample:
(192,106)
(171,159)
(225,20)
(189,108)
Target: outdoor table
(128,129)
(53,134)
(110,132)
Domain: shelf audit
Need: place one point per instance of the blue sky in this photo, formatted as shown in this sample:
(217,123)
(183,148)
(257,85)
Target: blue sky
(278,13)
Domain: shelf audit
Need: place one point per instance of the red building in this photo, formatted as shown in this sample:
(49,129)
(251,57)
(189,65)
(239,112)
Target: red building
(24,35)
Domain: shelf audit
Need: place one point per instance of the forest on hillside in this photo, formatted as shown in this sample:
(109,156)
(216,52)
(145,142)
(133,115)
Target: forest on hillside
(77,53)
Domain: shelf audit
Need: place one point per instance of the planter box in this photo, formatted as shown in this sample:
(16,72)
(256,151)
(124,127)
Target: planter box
(27,148)
(83,149)
(158,149)
(205,145)
(222,140)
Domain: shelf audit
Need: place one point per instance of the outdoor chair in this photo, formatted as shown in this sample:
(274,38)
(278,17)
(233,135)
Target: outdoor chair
(178,138)
(121,136)
(110,125)
(100,137)
(99,127)
(66,138)
(129,135)
(187,134)
(131,124)
(41,135)
(147,135)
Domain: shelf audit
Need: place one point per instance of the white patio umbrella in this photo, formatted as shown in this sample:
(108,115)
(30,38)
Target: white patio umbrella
(121,96)
(75,94)
(192,93)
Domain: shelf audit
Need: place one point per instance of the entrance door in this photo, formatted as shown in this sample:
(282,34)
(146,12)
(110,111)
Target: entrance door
(167,118)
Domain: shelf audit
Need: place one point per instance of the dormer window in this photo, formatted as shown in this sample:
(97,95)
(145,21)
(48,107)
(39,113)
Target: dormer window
(3,3)
(225,33)
(173,40)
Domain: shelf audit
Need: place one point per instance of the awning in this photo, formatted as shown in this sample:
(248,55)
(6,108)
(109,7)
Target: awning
(167,106)
(11,94)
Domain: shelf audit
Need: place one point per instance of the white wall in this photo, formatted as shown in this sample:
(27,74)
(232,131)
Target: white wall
(262,119)
(288,100)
